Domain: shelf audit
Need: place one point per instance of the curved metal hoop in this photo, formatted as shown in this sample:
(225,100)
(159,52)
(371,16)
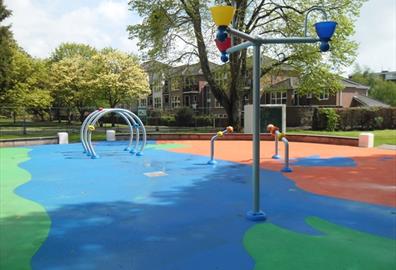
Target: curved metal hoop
(133,121)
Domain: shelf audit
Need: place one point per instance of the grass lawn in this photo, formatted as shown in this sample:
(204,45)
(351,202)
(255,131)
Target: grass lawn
(387,136)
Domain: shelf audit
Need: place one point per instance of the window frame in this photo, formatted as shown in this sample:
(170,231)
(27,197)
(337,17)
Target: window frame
(324,95)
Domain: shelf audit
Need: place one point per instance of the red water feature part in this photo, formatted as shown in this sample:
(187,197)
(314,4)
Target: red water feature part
(223,46)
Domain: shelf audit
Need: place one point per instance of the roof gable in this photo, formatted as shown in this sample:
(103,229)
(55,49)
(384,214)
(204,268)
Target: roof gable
(369,102)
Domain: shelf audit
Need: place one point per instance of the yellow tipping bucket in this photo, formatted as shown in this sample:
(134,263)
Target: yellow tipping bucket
(222,15)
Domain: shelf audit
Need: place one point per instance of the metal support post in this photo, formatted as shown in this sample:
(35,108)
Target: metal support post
(276,155)
(286,168)
(256,213)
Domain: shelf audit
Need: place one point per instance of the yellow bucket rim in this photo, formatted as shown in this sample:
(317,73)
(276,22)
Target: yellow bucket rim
(222,15)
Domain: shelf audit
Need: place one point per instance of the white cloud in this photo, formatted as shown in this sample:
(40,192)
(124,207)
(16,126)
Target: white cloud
(376,35)
(40,26)
(113,11)
(39,30)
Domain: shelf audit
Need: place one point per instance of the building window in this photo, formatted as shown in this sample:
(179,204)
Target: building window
(157,102)
(221,78)
(166,99)
(175,83)
(190,82)
(217,104)
(175,102)
(296,98)
(309,95)
(187,101)
(324,95)
(156,88)
(278,97)
(143,102)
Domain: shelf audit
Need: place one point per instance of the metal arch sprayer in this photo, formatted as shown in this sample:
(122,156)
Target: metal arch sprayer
(222,16)
(133,121)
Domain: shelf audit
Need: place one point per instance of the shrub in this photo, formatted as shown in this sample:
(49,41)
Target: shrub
(167,120)
(203,120)
(184,116)
(356,118)
(154,114)
(379,120)
(332,118)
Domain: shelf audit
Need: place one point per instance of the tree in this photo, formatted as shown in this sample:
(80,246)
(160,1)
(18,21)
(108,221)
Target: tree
(71,78)
(6,44)
(175,30)
(380,89)
(118,77)
(71,49)
(28,87)
(72,88)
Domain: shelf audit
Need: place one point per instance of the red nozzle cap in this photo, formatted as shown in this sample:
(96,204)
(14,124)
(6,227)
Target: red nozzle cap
(223,46)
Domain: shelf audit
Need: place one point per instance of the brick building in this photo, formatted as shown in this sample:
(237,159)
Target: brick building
(185,86)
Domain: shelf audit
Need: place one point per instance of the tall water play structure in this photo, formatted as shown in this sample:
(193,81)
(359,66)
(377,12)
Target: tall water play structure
(134,124)
(222,16)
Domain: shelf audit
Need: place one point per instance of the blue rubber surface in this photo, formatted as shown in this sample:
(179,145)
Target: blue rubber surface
(317,161)
(107,214)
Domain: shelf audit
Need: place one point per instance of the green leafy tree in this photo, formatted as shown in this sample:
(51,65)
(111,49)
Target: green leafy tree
(6,44)
(118,77)
(176,31)
(380,89)
(28,90)
(72,89)
(71,78)
(71,49)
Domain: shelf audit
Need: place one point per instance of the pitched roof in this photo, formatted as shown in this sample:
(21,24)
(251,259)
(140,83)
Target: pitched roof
(352,84)
(286,84)
(369,102)
(292,83)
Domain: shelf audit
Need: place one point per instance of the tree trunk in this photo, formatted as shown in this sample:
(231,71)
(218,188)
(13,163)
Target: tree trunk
(112,116)
(230,101)
(24,126)
(69,116)
(58,115)
(82,115)
(234,116)
(112,119)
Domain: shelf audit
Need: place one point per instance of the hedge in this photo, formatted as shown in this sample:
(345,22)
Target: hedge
(354,118)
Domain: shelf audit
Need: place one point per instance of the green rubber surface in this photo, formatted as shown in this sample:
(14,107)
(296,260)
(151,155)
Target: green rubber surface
(24,224)
(273,247)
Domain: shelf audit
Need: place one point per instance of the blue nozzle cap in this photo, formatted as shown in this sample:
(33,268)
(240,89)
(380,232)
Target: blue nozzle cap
(224,57)
(222,33)
(325,30)
(324,46)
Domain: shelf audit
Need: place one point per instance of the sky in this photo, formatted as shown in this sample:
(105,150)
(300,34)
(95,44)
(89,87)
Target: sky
(39,26)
